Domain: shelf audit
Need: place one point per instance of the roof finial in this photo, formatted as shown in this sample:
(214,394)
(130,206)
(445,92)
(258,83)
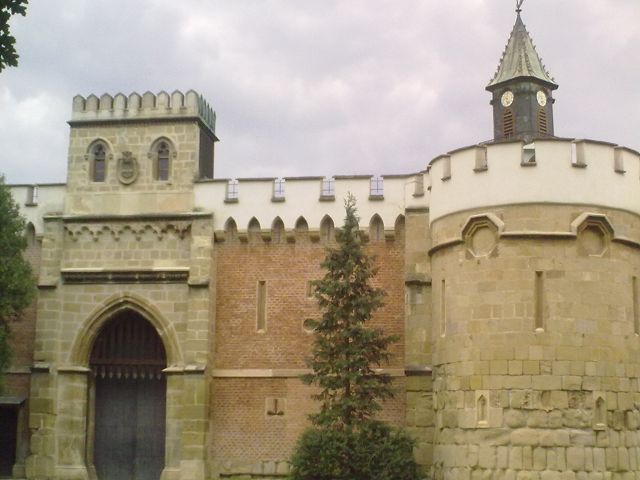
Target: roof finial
(519,6)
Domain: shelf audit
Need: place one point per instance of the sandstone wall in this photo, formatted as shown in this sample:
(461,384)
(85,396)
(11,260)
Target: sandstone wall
(536,353)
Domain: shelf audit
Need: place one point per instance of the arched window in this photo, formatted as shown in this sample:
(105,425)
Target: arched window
(98,162)
(161,154)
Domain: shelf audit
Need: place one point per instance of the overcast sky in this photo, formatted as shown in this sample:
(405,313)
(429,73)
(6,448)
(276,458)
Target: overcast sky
(315,87)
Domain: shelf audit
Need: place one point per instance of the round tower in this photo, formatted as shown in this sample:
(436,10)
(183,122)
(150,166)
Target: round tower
(536,318)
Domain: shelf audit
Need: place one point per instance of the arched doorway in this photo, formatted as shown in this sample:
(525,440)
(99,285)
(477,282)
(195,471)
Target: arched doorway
(127,360)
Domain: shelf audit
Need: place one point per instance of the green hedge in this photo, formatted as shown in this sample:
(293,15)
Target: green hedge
(373,452)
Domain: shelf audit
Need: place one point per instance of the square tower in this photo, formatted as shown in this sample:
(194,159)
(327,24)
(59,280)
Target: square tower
(138,154)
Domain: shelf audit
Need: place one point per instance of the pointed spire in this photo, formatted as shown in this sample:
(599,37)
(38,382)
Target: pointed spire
(520,58)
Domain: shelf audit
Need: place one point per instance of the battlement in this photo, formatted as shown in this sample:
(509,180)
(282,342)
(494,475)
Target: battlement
(312,199)
(562,171)
(148,106)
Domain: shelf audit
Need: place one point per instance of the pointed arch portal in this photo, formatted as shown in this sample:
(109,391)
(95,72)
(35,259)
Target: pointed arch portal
(127,359)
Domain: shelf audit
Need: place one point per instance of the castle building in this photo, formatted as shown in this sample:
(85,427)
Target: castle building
(171,324)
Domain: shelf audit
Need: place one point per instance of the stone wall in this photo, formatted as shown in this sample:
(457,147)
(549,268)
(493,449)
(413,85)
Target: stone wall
(145,194)
(536,361)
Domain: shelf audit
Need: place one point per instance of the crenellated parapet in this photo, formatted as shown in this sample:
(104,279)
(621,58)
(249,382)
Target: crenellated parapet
(148,106)
(559,171)
(263,204)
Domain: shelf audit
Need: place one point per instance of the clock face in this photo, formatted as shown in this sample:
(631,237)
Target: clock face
(507,98)
(542,98)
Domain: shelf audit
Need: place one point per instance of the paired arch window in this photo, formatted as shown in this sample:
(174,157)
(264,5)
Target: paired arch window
(161,154)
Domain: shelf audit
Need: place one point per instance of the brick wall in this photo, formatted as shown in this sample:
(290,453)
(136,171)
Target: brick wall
(286,268)
(244,439)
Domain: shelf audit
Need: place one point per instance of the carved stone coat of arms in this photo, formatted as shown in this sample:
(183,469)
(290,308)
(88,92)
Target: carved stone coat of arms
(127,168)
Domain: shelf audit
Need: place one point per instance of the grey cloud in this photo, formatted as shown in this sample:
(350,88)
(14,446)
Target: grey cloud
(320,86)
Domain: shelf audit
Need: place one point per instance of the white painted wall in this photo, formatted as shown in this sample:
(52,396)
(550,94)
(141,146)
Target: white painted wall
(50,200)
(302,198)
(552,180)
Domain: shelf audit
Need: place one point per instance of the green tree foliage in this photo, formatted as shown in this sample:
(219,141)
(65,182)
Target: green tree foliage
(346,442)
(16,280)
(8,54)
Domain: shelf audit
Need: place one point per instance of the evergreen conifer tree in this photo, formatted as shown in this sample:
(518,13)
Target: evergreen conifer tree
(346,442)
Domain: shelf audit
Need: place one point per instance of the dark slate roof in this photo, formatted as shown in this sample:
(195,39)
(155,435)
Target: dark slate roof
(520,59)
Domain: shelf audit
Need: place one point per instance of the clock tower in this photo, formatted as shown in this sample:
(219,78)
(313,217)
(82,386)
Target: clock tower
(521,90)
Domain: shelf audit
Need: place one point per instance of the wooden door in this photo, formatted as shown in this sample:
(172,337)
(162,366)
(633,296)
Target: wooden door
(130,428)
(130,400)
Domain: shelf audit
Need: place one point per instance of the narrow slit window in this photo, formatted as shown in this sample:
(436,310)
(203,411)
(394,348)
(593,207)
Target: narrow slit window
(600,413)
(262,306)
(482,409)
(539,301)
(636,305)
(443,308)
